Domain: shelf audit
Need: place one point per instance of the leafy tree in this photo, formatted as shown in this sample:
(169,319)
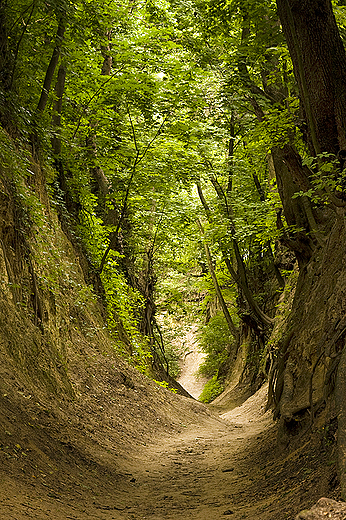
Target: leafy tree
(136,104)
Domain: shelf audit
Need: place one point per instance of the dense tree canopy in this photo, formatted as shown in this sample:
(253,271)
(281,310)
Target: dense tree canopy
(153,116)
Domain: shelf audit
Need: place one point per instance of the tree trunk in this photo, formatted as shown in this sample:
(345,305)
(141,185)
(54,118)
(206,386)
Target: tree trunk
(319,63)
(56,119)
(101,181)
(304,241)
(232,328)
(242,277)
(340,398)
(297,239)
(52,66)
(5,56)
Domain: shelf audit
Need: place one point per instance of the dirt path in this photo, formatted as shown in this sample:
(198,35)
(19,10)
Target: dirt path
(229,466)
(189,366)
(220,466)
(204,473)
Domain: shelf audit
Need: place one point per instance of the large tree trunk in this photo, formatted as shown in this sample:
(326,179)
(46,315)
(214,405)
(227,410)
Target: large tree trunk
(319,65)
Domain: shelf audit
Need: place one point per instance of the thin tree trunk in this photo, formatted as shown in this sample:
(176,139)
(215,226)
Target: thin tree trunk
(240,278)
(5,55)
(264,319)
(56,119)
(274,267)
(107,57)
(52,66)
(138,158)
(232,328)
(15,58)
(102,183)
(230,154)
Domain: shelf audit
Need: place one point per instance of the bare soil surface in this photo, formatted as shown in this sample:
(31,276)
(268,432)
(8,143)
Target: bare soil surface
(198,466)
(227,466)
(124,448)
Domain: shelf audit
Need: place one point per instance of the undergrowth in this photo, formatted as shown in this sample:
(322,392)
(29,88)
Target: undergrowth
(211,390)
(215,340)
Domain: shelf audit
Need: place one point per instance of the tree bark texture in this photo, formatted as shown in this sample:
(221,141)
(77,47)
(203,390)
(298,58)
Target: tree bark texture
(319,63)
(56,119)
(297,240)
(340,397)
(4,50)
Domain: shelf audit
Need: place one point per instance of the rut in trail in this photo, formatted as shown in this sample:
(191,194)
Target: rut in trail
(207,471)
(225,466)
(228,466)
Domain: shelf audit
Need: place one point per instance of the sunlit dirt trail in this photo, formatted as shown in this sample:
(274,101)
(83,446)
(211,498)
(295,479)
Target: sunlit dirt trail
(189,366)
(194,465)
(206,472)
(226,466)
(209,469)
(203,472)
